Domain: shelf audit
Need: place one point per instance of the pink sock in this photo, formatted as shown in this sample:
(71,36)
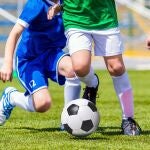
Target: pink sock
(126,101)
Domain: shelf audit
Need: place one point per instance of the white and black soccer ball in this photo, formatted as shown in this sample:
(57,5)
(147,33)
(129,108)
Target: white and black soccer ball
(80,117)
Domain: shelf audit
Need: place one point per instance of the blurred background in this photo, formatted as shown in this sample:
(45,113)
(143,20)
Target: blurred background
(134,20)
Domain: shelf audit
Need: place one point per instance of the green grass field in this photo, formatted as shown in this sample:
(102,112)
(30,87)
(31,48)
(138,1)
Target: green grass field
(37,131)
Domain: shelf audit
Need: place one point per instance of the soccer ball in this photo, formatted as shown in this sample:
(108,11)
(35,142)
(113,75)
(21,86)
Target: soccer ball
(80,117)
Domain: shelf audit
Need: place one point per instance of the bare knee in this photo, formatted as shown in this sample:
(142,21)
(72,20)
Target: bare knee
(81,62)
(44,106)
(42,101)
(69,72)
(65,67)
(116,69)
(81,70)
(115,65)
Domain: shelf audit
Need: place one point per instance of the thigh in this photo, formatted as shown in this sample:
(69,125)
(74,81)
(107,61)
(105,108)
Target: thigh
(108,44)
(51,65)
(78,40)
(31,75)
(81,59)
(65,67)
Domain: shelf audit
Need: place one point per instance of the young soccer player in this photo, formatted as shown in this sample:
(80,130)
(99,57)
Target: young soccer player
(39,56)
(96,21)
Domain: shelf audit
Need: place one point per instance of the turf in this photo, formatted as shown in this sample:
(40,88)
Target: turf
(35,131)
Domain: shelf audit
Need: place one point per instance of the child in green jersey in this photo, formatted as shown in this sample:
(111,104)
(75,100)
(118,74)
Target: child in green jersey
(93,21)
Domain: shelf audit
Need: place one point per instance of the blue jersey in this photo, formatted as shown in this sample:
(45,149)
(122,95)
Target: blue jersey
(40,34)
(40,49)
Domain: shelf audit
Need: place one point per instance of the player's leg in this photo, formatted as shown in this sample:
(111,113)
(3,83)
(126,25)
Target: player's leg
(72,84)
(121,83)
(40,102)
(64,71)
(115,65)
(33,77)
(80,45)
(38,98)
(123,90)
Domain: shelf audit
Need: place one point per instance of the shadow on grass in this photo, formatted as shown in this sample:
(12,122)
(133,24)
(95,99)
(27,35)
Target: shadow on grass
(40,130)
(145,132)
(33,130)
(102,130)
(89,138)
(109,130)
(116,131)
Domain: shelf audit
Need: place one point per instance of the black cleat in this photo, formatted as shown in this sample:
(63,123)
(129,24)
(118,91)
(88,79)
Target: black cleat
(90,93)
(130,127)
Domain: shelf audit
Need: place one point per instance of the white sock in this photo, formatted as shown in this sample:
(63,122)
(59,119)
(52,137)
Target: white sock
(72,89)
(22,101)
(124,92)
(90,79)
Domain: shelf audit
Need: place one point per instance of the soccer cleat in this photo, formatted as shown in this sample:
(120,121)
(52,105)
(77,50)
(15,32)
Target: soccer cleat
(5,106)
(90,93)
(130,127)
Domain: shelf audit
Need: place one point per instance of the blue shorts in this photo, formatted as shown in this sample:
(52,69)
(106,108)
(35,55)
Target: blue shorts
(34,73)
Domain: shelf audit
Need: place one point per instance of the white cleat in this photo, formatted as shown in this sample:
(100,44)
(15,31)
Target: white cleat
(5,106)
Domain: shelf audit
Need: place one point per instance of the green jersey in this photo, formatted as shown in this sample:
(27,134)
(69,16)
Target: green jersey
(90,14)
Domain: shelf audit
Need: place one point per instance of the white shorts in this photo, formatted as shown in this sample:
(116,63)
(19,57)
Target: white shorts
(104,42)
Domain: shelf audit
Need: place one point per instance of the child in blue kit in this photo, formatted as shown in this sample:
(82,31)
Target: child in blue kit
(39,56)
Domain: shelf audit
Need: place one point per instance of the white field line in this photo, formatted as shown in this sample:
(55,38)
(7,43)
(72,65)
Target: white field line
(7,15)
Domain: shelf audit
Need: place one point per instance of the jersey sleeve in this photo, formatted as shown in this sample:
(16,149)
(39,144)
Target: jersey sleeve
(31,10)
